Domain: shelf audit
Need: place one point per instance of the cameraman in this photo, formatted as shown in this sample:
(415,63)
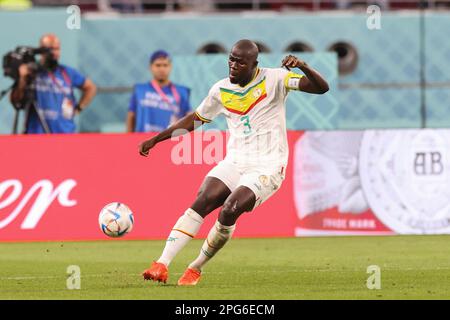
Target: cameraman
(54,91)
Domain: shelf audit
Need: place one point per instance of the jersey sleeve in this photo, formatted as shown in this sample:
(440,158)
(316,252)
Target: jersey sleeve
(210,107)
(185,105)
(76,77)
(132,106)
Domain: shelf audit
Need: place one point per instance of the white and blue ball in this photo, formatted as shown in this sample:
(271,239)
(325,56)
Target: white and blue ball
(116,220)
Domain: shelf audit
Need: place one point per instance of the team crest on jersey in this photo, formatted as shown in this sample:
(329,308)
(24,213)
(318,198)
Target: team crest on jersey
(242,102)
(257,93)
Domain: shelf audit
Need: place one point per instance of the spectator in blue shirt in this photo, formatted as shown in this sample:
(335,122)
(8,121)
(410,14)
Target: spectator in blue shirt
(156,104)
(55,99)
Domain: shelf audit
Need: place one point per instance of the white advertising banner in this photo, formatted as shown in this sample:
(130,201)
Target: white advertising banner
(372,182)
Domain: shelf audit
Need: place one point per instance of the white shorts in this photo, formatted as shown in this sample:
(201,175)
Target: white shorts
(263,182)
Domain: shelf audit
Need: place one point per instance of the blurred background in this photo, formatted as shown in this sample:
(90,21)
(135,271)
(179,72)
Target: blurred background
(394,76)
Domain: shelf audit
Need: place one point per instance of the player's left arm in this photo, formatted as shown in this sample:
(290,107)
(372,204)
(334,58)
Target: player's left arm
(89,90)
(312,82)
(86,85)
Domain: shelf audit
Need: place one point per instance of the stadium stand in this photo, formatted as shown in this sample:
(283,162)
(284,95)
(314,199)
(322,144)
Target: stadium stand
(148,6)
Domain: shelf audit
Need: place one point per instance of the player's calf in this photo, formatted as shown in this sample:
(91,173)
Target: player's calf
(217,237)
(183,231)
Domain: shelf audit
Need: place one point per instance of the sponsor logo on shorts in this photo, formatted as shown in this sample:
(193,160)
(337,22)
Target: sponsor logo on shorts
(257,186)
(264,180)
(273,183)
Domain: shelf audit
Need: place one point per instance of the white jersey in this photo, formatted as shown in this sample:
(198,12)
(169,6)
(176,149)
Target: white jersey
(256,117)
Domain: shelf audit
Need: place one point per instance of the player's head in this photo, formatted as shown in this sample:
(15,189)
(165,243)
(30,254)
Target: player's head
(160,65)
(51,41)
(242,61)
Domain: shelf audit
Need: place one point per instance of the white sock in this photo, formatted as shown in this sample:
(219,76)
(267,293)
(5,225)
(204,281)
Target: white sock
(217,237)
(183,231)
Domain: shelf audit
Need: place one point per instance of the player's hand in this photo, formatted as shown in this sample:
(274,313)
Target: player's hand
(291,61)
(145,147)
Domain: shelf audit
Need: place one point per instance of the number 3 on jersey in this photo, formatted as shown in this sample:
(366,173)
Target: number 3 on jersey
(246,121)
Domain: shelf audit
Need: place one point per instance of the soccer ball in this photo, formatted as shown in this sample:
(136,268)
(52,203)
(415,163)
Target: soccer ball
(116,220)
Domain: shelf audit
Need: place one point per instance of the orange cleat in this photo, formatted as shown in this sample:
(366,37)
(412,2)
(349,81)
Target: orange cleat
(190,277)
(157,272)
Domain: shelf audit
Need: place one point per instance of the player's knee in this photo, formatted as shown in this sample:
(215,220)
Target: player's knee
(231,209)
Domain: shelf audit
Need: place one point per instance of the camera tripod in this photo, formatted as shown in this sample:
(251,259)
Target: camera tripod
(29,105)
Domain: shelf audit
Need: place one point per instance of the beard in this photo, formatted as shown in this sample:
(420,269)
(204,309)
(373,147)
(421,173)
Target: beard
(50,63)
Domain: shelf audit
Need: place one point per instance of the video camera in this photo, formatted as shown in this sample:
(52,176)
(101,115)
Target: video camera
(11,64)
(27,55)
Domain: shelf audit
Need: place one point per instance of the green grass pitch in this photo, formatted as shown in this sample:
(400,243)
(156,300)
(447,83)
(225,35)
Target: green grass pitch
(412,267)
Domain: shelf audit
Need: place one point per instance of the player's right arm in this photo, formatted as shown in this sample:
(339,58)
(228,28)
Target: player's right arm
(131,121)
(182,126)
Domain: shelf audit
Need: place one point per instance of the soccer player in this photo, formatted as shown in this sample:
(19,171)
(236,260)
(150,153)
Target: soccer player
(253,101)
